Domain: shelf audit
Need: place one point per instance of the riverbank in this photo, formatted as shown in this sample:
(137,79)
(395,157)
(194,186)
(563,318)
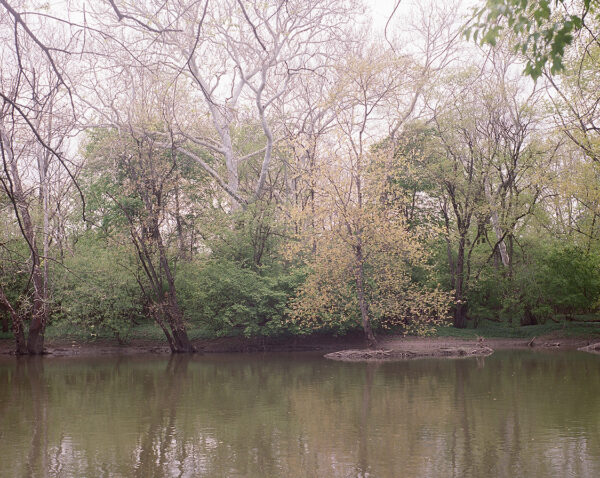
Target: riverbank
(74,346)
(399,345)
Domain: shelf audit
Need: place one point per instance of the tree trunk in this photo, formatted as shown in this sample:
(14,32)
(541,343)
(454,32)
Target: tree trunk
(39,315)
(460,315)
(4,323)
(179,226)
(362,302)
(496,226)
(460,310)
(35,343)
(17,325)
(449,254)
(528,317)
(35,340)
(180,341)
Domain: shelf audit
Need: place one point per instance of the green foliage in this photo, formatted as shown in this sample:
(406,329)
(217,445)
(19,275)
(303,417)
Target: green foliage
(241,286)
(230,299)
(252,238)
(551,279)
(505,329)
(96,289)
(14,274)
(572,279)
(543,28)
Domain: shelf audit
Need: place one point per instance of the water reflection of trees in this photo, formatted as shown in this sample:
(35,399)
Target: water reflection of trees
(255,416)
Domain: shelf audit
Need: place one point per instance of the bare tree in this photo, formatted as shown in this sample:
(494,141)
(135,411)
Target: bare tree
(32,132)
(234,60)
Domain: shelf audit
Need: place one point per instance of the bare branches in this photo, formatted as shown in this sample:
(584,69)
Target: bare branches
(46,146)
(251,25)
(47,50)
(387,23)
(213,173)
(240,58)
(137,21)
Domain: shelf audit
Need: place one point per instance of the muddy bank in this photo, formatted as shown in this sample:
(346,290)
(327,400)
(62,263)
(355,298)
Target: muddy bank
(551,341)
(402,348)
(379,355)
(398,345)
(592,348)
(71,347)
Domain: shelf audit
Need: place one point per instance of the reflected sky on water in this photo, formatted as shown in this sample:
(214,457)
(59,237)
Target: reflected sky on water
(516,413)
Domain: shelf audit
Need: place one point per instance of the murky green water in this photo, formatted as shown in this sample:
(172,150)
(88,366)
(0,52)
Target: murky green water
(514,414)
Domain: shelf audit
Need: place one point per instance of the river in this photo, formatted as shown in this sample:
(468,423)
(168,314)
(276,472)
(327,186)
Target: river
(513,414)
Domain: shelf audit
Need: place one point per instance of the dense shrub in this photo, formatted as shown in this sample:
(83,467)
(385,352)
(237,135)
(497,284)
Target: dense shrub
(97,289)
(229,299)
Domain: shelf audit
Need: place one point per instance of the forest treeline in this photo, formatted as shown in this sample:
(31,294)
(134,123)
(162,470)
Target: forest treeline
(280,168)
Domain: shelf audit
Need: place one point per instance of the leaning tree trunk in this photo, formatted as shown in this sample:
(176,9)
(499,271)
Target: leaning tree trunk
(165,308)
(179,342)
(169,317)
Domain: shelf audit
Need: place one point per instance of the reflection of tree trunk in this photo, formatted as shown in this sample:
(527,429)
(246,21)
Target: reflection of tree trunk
(480,362)
(363,439)
(462,375)
(33,369)
(154,445)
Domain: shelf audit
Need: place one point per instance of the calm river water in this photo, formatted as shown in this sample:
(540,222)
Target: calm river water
(514,414)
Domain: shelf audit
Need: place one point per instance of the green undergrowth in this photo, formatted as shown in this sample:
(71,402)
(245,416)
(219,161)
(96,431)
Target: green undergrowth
(581,326)
(144,331)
